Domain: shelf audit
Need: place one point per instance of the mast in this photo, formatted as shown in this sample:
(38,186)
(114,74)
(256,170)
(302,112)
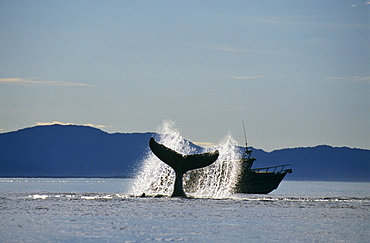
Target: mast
(247,151)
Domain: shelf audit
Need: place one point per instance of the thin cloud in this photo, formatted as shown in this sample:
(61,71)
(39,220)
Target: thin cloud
(233,108)
(205,144)
(231,49)
(248,77)
(93,125)
(240,108)
(226,48)
(309,24)
(358,78)
(65,124)
(240,50)
(30,81)
(351,79)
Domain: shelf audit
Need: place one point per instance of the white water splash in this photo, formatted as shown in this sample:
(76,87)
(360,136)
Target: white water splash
(215,181)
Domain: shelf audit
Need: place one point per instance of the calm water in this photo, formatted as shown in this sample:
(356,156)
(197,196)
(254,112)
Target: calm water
(102,210)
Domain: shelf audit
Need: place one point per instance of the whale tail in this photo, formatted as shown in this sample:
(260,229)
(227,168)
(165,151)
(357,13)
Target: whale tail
(181,163)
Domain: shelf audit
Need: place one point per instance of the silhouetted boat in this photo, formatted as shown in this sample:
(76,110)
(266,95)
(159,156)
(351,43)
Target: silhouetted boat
(259,180)
(250,180)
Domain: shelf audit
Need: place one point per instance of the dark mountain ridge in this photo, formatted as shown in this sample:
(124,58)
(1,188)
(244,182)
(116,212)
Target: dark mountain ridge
(70,151)
(82,151)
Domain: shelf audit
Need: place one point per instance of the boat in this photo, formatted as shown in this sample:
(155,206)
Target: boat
(250,180)
(259,180)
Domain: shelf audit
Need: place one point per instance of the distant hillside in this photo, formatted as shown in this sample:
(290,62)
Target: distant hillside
(60,150)
(81,151)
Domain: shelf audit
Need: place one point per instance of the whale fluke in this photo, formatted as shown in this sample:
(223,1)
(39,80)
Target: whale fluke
(181,163)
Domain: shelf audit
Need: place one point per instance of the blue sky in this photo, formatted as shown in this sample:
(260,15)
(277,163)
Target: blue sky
(297,72)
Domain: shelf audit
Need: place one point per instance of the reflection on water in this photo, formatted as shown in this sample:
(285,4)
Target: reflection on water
(304,190)
(75,185)
(103,210)
(120,189)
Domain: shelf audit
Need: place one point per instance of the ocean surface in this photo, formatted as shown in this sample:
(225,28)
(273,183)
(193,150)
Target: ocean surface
(105,210)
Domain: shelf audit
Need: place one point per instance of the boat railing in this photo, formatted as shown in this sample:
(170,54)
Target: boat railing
(273,169)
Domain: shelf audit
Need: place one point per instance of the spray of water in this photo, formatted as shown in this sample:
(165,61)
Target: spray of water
(215,181)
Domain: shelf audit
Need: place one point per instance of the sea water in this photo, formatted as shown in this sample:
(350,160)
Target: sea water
(102,210)
(113,210)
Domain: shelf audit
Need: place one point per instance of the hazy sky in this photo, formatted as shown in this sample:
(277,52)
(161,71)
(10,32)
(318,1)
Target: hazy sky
(297,72)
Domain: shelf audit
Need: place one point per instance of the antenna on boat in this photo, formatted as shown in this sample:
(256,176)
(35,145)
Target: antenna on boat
(245,135)
(247,151)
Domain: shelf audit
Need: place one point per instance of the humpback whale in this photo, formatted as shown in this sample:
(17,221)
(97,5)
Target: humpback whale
(181,163)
